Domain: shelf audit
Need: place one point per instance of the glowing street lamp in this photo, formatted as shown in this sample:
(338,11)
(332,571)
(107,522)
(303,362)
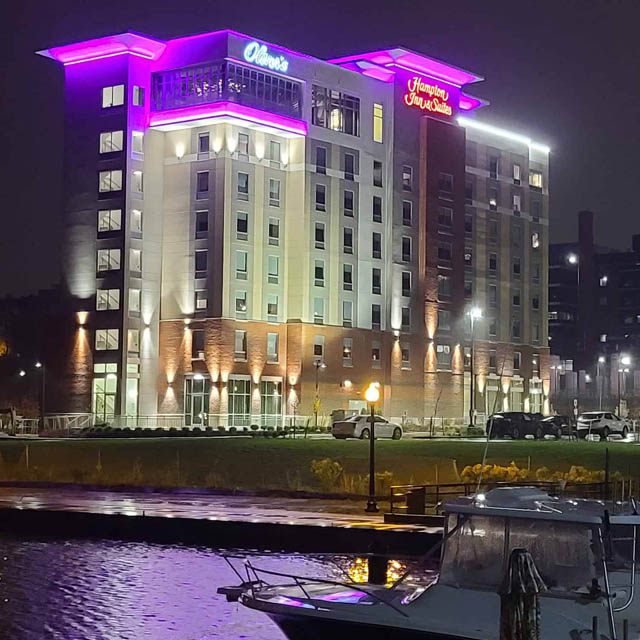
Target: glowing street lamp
(475,313)
(599,380)
(572,258)
(625,361)
(372,395)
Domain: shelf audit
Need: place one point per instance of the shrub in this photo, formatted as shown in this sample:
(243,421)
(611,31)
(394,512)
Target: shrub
(327,471)
(222,429)
(254,427)
(232,429)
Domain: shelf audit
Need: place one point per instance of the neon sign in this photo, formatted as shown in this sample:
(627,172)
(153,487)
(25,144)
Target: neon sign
(428,97)
(257,53)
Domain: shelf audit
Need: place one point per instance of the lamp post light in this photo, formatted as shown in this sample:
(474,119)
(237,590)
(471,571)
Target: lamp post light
(40,365)
(316,401)
(475,313)
(599,381)
(574,260)
(372,395)
(625,361)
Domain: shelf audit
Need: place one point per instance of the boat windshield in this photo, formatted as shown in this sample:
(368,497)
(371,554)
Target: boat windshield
(476,555)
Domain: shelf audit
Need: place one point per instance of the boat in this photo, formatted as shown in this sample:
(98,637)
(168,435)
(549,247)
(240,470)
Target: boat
(584,553)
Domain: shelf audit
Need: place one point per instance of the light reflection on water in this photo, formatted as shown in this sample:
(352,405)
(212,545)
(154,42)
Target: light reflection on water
(105,590)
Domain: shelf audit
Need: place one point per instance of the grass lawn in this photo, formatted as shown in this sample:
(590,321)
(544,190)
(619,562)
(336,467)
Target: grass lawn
(261,463)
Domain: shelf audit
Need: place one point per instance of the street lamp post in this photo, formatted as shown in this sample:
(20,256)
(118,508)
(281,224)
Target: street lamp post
(40,365)
(600,381)
(318,365)
(625,361)
(474,313)
(574,260)
(372,395)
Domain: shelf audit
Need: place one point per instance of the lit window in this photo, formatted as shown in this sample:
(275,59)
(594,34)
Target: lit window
(273,268)
(243,186)
(272,307)
(516,202)
(272,347)
(535,240)
(347,352)
(241,304)
(604,281)
(107,339)
(243,144)
(110,181)
(405,355)
(136,221)
(377,122)
(111,141)
(137,142)
(109,220)
(134,300)
(535,179)
(375,354)
(138,96)
(603,337)
(135,260)
(107,299)
(274,192)
(136,182)
(274,232)
(240,346)
(113,96)
(407,178)
(108,259)
(335,110)
(516,173)
(201,300)
(133,341)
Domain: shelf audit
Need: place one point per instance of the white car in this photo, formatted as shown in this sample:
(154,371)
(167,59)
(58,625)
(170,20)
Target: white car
(602,423)
(360,427)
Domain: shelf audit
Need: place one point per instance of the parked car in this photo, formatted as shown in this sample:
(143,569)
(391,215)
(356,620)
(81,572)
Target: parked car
(557,426)
(360,427)
(516,424)
(603,424)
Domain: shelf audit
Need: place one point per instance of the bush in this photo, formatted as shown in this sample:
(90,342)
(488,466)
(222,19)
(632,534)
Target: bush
(254,427)
(327,471)
(222,429)
(232,429)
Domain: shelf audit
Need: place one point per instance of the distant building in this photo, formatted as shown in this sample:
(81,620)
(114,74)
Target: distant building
(247,224)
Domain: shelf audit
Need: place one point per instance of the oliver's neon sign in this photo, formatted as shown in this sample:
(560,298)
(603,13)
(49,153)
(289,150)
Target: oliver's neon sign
(428,97)
(257,53)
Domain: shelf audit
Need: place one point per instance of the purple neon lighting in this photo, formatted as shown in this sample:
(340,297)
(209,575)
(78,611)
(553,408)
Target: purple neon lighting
(231,109)
(108,55)
(469,103)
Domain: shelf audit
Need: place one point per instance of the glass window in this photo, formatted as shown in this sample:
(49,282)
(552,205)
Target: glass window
(111,141)
(241,304)
(443,355)
(347,277)
(375,354)
(444,286)
(273,269)
(135,260)
(535,179)
(319,273)
(493,262)
(108,259)
(516,202)
(272,307)
(377,209)
(113,96)
(444,320)
(138,96)
(137,142)
(493,198)
(274,232)
(406,249)
(515,328)
(243,186)
(493,358)
(377,173)
(347,313)
(405,319)
(240,349)
(516,298)
(376,281)
(201,300)
(107,339)
(517,358)
(347,236)
(445,218)
(446,183)
(407,213)
(335,110)
(243,144)
(375,316)
(274,153)
(516,173)
(493,166)
(109,220)
(107,299)
(202,182)
(535,240)
(272,347)
(349,166)
(321,197)
(318,347)
(239,390)
(407,178)
(137,181)
(321,160)
(516,268)
(468,192)
(110,181)
(493,295)
(203,142)
(406,283)
(274,192)
(241,265)
(405,355)
(318,310)
(134,300)
(319,235)
(202,224)
(201,260)
(136,221)
(348,203)
(347,352)
(133,341)
(242,225)
(377,122)
(271,403)
(376,244)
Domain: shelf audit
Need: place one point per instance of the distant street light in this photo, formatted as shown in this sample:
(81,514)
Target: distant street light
(40,366)
(599,380)
(372,395)
(625,361)
(475,313)
(316,401)
(572,258)
(22,373)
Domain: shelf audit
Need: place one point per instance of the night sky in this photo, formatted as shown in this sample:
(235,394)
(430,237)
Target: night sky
(564,72)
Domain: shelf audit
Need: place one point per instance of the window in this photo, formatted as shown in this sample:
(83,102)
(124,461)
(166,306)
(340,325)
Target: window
(319,235)
(319,273)
(243,144)
(515,328)
(516,268)
(318,310)
(197,344)
(202,182)
(493,328)
(240,345)
(406,249)
(134,301)
(107,339)
(516,174)
(493,262)
(137,181)
(347,202)
(273,269)
(468,288)
(493,358)
(136,221)
(375,354)
(468,258)
(603,281)
(347,313)
(113,96)
(493,198)
(243,186)
(407,178)
(443,355)
(347,277)
(349,166)
(321,197)
(274,153)
(535,301)
(110,181)
(274,192)
(201,300)
(375,316)
(135,260)
(406,283)
(445,218)
(535,179)
(377,209)
(318,348)
(107,299)
(405,319)
(377,122)
(133,341)
(274,232)
(444,252)
(535,271)
(201,261)
(536,332)
(468,192)
(108,259)
(138,96)
(407,213)
(444,287)
(242,225)
(335,110)
(535,240)
(109,220)
(516,203)
(536,209)
(405,355)
(241,265)
(321,160)
(272,347)
(271,403)
(493,166)
(203,142)
(493,295)
(272,307)
(377,173)
(445,183)
(376,281)
(444,320)
(376,245)
(241,304)
(603,337)
(516,298)
(347,237)
(202,224)
(493,231)
(111,141)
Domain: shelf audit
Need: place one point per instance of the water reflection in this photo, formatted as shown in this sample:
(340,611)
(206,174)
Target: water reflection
(104,590)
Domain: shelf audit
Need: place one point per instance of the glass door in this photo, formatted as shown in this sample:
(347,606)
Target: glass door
(196,401)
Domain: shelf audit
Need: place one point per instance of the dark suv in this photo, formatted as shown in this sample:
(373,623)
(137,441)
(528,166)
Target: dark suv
(516,424)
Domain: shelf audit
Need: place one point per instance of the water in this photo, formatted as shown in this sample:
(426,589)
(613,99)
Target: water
(104,590)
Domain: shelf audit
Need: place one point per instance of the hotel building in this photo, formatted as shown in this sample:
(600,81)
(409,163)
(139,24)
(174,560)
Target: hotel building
(254,234)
